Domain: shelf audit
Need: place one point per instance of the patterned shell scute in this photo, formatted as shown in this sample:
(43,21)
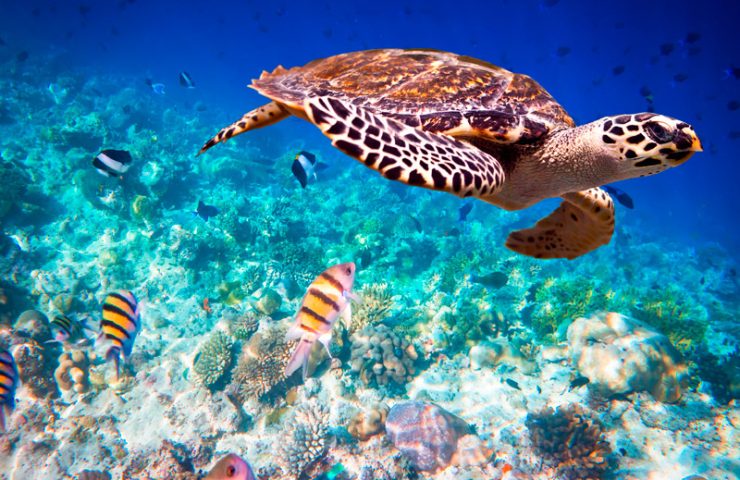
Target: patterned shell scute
(431,88)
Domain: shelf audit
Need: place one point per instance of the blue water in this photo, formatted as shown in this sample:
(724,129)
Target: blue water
(680,244)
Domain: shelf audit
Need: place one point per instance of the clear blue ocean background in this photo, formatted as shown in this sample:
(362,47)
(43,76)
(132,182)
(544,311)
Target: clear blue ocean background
(570,47)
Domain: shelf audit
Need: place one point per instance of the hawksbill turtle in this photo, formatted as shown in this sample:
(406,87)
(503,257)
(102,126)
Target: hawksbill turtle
(457,124)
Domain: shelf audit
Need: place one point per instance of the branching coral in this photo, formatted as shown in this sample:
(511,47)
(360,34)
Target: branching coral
(376,305)
(382,357)
(260,371)
(571,441)
(308,437)
(213,361)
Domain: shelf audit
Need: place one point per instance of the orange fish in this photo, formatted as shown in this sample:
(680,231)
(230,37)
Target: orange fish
(207,306)
(121,322)
(326,299)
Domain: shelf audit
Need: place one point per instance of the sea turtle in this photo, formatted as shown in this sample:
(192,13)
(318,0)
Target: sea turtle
(454,123)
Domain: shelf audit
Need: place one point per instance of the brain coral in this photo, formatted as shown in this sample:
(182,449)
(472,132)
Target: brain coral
(621,355)
(382,357)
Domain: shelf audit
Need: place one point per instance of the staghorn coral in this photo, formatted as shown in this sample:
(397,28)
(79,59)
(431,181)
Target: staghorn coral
(307,437)
(376,305)
(571,441)
(73,371)
(260,372)
(379,356)
(213,361)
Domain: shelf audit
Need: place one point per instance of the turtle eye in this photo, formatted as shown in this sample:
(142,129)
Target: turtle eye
(230,471)
(659,131)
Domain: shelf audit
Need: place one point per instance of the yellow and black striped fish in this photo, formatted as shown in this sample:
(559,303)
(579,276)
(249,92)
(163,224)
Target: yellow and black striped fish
(327,297)
(65,329)
(120,324)
(8,384)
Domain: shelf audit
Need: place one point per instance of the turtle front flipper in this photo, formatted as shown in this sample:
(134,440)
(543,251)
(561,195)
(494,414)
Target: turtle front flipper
(406,154)
(260,117)
(583,222)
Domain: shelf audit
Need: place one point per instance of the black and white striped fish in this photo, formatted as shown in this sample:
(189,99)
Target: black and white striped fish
(186,80)
(121,322)
(8,384)
(112,163)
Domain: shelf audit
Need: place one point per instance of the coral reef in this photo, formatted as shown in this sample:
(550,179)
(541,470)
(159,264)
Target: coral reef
(73,371)
(368,423)
(425,433)
(172,460)
(307,437)
(260,371)
(213,361)
(376,305)
(35,358)
(381,357)
(243,325)
(499,351)
(571,441)
(268,302)
(620,355)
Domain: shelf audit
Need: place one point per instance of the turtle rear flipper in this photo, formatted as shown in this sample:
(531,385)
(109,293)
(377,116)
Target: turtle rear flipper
(260,117)
(406,154)
(583,222)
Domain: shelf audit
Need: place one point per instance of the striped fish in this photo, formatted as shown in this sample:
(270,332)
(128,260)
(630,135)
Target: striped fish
(8,384)
(65,329)
(120,325)
(327,297)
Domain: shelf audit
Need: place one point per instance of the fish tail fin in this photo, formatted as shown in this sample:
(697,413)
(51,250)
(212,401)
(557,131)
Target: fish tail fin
(2,418)
(114,354)
(260,117)
(299,358)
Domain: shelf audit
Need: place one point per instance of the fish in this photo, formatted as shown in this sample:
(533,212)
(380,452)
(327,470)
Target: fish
(205,211)
(112,163)
(562,51)
(304,167)
(8,384)
(680,77)
(464,210)
(186,80)
(733,105)
(416,222)
(64,329)
(621,196)
(732,72)
(512,383)
(692,37)
(231,467)
(666,49)
(578,382)
(326,299)
(157,88)
(618,70)
(22,56)
(120,325)
(492,279)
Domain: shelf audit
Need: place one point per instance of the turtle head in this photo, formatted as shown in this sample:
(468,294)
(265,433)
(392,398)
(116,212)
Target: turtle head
(647,143)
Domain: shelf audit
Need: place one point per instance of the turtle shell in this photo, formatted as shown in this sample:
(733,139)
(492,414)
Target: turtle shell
(436,91)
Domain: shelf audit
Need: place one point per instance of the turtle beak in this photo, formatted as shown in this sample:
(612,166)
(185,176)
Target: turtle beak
(695,143)
(687,140)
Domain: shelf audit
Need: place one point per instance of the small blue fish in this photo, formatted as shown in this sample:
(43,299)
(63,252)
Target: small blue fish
(8,384)
(157,88)
(512,383)
(620,195)
(205,211)
(464,210)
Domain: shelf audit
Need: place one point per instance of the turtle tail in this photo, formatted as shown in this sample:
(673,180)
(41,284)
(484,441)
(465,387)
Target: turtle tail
(260,117)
